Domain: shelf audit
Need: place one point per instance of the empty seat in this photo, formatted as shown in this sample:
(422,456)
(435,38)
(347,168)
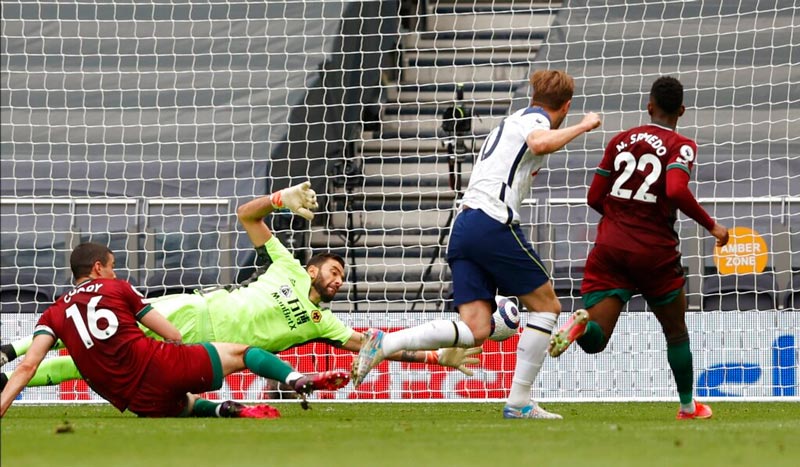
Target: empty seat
(21,300)
(173,281)
(739,292)
(28,289)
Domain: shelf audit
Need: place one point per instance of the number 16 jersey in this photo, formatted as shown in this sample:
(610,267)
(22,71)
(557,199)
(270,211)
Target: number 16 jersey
(97,321)
(637,215)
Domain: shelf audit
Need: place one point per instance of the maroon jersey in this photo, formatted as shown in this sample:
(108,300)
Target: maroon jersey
(97,321)
(637,216)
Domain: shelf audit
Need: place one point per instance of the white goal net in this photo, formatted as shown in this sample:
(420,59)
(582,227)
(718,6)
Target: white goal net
(144,124)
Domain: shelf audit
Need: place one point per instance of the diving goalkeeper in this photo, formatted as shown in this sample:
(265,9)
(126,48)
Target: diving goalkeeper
(278,310)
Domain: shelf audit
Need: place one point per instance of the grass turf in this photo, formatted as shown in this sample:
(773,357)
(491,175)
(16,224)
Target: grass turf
(596,434)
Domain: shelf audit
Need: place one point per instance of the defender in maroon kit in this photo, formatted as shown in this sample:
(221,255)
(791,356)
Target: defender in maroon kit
(97,322)
(641,182)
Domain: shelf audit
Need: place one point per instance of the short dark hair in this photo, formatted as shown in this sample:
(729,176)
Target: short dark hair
(83,257)
(321,258)
(667,94)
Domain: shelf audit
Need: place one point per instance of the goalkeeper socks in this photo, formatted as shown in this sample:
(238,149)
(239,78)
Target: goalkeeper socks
(429,336)
(266,365)
(54,371)
(593,339)
(21,346)
(206,408)
(679,357)
(531,351)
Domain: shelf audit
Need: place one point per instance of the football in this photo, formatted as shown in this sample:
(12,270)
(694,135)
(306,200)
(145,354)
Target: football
(505,321)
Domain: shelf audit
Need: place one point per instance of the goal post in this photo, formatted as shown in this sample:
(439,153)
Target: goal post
(145,124)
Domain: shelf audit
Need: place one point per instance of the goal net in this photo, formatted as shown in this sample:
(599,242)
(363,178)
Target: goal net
(143,125)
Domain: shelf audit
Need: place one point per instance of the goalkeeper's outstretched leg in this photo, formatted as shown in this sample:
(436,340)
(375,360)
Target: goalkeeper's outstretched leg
(18,348)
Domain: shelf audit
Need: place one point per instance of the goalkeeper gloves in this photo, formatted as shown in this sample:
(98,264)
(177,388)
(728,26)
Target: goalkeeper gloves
(455,357)
(300,199)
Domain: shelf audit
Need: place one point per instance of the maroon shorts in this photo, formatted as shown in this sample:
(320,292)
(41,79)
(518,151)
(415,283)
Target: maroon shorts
(174,371)
(653,274)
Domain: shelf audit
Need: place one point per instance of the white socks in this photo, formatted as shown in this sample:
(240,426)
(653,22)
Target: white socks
(293,376)
(429,336)
(531,350)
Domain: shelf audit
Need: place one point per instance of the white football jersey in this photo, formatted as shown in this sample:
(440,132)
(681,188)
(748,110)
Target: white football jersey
(505,167)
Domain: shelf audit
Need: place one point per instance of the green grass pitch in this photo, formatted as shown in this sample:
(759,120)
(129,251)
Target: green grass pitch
(417,435)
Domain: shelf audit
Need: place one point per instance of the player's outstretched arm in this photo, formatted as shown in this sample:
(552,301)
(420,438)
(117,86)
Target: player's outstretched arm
(458,358)
(541,142)
(300,199)
(42,344)
(451,357)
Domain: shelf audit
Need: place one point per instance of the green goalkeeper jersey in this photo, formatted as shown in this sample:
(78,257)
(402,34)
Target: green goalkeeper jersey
(273,312)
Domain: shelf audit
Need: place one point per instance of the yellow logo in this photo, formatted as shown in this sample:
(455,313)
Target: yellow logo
(316,316)
(745,253)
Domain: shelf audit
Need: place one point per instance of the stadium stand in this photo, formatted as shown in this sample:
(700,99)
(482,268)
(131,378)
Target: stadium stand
(223,101)
(15,299)
(739,292)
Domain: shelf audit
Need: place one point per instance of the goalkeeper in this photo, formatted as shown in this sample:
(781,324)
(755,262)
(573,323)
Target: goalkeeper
(278,310)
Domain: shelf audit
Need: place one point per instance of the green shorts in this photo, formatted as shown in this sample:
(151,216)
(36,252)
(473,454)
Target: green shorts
(188,313)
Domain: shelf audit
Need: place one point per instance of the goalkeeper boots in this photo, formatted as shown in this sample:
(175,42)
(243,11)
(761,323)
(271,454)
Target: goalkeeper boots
(370,355)
(325,381)
(231,409)
(532,410)
(568,333)
(700,411)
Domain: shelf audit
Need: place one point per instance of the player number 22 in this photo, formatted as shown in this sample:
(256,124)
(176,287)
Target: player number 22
(93,316)
(629,161)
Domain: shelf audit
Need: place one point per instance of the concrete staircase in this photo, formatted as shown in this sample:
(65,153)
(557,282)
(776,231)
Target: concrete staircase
(399,213)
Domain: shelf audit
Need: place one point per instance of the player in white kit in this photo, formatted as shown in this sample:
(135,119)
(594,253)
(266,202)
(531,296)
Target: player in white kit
(488,252)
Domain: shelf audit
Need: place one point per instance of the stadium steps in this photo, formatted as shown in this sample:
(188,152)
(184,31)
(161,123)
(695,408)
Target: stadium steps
(496,6)
(450,42)
(474,93)
(449,73)
(394,230)
(536,21)
(426,118)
